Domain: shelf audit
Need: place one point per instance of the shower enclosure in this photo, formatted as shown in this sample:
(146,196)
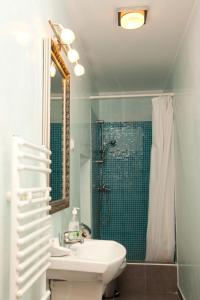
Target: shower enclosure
(121,144)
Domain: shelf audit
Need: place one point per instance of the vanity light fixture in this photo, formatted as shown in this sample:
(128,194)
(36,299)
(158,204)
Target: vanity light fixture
(73,55)
(132,19)
(67,35)
(64,38)
(79,70)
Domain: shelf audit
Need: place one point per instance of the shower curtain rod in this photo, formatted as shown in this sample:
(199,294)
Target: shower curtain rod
(130,96)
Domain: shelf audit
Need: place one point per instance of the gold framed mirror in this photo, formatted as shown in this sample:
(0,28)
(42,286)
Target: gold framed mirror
(56,128)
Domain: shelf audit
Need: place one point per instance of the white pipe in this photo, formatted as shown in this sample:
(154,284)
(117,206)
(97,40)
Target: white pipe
(130,96)
(34,190)
(32,146)
(33,168)
(31,271)
(39,200)
(32,258)
(46,296)
(34,157)
(33,246)
(21,292)
(33,201)
(26,227)
(33,212)
(32,235)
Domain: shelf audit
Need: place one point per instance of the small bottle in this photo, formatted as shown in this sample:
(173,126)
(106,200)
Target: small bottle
(74,227)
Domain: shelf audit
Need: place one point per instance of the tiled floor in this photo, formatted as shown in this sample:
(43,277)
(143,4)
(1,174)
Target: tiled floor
(150,297)
(148,282)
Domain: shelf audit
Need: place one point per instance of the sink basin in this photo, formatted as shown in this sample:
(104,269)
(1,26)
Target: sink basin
(103,259)
(94,261)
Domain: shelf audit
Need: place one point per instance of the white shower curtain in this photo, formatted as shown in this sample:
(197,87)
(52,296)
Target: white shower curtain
(161,217)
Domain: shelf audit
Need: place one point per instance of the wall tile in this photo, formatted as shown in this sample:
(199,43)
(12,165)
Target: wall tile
(121,213)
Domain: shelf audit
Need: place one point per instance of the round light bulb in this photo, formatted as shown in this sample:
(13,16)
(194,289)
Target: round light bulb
(52,70)
(133,20)
(79,70)
(73,55)
(67,36)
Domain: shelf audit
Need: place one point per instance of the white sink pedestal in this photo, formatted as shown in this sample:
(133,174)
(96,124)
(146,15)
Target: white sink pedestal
(84,274)
(65,290)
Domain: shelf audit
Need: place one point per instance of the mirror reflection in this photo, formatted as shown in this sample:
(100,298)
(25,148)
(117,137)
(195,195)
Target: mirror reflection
(56,135)
(59,124)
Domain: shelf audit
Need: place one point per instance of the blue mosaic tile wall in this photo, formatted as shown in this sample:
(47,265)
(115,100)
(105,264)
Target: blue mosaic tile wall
(95,177)
(122,212)
(56,158)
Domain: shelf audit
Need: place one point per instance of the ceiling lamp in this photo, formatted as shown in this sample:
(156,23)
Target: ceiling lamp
(132,19)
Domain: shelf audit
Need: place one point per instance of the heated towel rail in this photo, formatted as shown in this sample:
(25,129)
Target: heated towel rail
(30,219)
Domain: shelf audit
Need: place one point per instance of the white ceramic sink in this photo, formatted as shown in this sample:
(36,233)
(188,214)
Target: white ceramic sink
(103,259)
(93,261)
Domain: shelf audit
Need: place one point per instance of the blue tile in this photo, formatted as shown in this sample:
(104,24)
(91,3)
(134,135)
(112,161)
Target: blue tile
(56,160)
(121,214)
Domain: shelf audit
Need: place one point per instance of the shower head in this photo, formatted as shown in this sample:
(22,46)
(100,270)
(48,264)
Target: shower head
(113,143)
(109,144)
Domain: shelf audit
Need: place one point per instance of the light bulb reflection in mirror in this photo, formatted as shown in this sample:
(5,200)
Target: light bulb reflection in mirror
(52,70)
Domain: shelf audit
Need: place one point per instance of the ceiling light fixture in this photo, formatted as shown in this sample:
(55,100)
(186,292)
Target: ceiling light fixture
(132,19)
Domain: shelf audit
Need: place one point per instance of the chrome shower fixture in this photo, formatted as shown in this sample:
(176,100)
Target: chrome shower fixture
(113,143)
(103,188)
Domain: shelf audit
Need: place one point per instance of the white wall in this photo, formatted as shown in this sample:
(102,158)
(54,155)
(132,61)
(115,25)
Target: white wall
(23,26)
(185,82)
(124,110)
(85,191)
(94,109)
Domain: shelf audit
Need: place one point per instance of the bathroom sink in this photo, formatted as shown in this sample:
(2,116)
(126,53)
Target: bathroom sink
(93,260)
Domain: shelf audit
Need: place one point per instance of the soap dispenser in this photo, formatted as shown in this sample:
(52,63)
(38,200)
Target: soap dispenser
(74,227)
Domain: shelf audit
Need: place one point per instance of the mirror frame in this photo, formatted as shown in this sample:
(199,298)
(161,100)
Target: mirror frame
(55,56)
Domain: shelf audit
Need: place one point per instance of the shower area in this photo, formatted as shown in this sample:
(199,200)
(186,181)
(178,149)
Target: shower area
(121,150)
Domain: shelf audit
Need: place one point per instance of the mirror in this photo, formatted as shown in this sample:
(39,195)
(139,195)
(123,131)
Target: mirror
(58,129)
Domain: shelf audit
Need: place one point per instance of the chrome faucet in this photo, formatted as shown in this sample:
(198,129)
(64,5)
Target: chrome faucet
(70,240)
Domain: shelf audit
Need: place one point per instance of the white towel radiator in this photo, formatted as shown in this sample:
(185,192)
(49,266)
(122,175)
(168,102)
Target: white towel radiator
(30,219)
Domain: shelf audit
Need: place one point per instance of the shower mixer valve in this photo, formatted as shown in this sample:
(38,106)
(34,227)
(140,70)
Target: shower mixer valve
(103,188)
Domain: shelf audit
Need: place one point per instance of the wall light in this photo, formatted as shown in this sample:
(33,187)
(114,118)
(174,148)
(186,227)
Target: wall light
(79,70)
(65,37)
(73,55)
(132,19)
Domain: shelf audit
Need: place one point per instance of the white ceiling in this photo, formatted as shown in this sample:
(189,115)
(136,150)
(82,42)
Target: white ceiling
(129,60)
